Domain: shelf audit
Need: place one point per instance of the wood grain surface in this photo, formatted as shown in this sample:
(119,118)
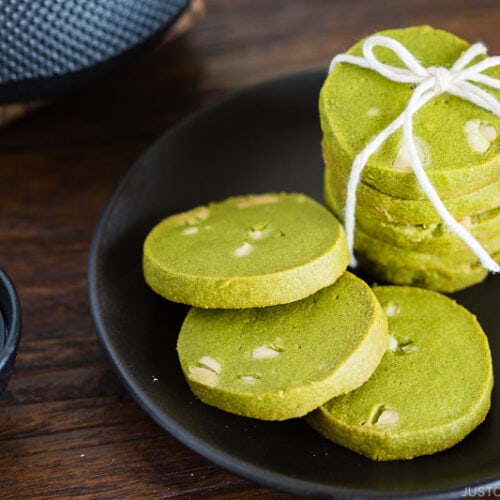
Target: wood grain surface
(68,428)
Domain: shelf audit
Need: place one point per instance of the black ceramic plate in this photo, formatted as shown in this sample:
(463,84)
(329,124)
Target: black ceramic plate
(265,138)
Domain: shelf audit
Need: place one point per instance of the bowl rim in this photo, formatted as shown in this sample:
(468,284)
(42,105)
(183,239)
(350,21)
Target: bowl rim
(11,312)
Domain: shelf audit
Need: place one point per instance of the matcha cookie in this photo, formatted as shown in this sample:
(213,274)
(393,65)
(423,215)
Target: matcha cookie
(432,388)
(432,258)
(458,141)
(371,245)
(427,238)
(283,361)
(405,211)
(445,272)
(247,251)
(440,278)
(433,237)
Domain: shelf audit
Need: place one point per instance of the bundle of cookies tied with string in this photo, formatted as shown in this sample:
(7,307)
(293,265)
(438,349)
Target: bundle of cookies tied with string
(279,328)
(410,120)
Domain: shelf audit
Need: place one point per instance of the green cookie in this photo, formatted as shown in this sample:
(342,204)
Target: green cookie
(435,237)
(431,237)
(426,238)
(373,246)
(281,362)
(405,211)
(445,279)
(432,388)
(445,272)
(458,143)
(420,266)
(246,251)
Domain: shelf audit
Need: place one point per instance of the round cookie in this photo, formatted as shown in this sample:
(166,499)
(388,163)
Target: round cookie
(432,388)
(388,252)
(386,261)
(246,251)
(460,147)
(416,264)
(435,237)
(283,361)
(446,279)
(445,272)
(405,211)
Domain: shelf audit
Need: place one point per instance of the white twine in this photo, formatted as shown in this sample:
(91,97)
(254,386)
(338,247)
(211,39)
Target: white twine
(430,82)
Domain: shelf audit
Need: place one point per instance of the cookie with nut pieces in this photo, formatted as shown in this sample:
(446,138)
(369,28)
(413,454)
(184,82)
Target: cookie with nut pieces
(386,208)
(281,362)
(246,251)
(441,234)
(431,389)
(441,271)
(458,142)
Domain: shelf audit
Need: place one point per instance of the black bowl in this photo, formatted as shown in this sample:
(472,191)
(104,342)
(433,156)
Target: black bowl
(10,328)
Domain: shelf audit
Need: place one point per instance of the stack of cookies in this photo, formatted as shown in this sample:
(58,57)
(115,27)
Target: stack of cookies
(399,236)
(279,329)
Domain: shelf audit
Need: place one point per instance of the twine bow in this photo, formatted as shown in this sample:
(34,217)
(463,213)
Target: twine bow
(430,82)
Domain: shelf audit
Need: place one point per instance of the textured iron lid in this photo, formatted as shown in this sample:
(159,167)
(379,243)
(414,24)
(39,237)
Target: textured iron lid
(48,46)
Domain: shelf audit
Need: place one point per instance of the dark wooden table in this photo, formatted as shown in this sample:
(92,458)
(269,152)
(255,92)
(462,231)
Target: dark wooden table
(67,426)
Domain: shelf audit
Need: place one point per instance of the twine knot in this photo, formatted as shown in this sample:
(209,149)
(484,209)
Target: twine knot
(443,78)
(429,82)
